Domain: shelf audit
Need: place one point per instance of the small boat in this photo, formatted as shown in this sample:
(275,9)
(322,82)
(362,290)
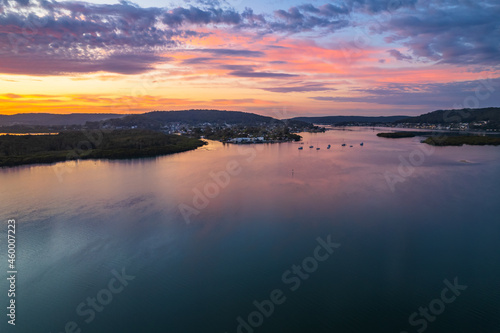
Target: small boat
(328,147)
(311,146)
(317,148)
(343,145)
(361,144)
(300,148)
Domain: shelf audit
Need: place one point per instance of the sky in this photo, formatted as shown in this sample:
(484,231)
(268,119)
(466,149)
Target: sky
(272,57)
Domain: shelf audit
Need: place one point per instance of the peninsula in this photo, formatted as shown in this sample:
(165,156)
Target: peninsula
(91,144)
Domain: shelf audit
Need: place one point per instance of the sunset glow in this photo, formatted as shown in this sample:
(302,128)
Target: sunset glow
(279,59)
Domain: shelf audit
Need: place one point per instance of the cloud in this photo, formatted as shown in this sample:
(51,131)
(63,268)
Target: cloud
(192,15)
(241,68)
(306,18)
(52,38)
(322,98)
(231,52)
(448,32)
(253,74)
(55,38)
(115,63)
(398,55)
(299,88)
(377,6)
(327,10)
(197,60)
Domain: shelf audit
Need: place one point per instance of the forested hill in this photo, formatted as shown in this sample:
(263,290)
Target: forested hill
(191,117)
(331,120)
(491,115)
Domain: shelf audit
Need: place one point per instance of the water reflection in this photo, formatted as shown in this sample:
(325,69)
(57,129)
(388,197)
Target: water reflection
(397,246)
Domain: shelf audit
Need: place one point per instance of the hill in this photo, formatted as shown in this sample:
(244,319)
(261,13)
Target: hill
(491,117)
(51,119)
(333,120)
(156,119)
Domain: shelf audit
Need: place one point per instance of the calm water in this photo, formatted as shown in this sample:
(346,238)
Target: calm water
(406,217)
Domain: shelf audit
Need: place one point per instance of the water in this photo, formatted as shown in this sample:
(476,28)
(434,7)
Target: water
(406,217)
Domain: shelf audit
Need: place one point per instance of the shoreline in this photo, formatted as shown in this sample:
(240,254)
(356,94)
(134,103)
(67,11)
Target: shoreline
(72,146)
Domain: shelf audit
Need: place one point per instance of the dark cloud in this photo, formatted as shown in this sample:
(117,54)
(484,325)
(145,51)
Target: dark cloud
(322,98)
(100,37)
(299,88)
(241,68)
(78,37)
(308,17)
(398,55)
(327,10)
(377,6)
(194,15)
(197,60)
(450,32)
(86,35)
(261,74)
(22,2)
(232,52)
(116,63)
(252,19)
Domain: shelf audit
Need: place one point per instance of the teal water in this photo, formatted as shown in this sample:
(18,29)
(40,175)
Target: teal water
(404,217)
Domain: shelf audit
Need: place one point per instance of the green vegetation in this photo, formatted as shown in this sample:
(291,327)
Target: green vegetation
(349,120)
(278,132)
(474,140)
(53,119)
(487,118)
(70,145)
(397,135)
(158,119)
(185,121)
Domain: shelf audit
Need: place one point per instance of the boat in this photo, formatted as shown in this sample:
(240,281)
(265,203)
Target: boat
(300,148)
(328,147)
(361,144)
(311,146)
